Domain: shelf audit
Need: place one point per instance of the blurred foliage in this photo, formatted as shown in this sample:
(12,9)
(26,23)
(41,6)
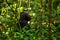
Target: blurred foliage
(10,15)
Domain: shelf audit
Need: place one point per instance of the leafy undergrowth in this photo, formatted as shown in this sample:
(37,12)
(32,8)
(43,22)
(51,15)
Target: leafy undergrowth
(23,34)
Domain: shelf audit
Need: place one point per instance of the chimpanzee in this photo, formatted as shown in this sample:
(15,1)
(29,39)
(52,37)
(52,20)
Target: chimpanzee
(24,18)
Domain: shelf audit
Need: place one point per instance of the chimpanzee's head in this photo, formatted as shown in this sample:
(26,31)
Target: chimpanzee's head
(25,16)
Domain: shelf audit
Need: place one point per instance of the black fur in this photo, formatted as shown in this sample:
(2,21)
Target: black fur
(24,18)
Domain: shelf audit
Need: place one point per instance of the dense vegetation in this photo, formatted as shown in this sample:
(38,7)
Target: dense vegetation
(45,22)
